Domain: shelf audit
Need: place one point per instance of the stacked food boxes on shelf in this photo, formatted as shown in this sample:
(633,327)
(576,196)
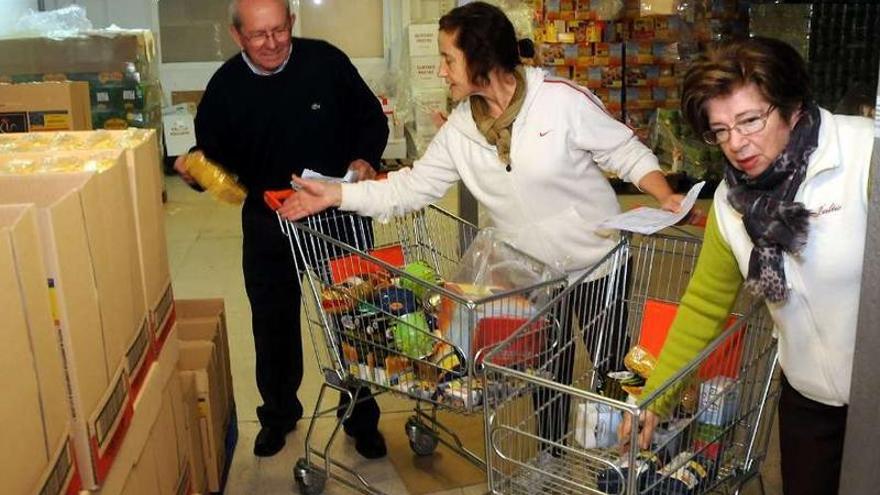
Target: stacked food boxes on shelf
(120,68)
(93,346)
(631,54)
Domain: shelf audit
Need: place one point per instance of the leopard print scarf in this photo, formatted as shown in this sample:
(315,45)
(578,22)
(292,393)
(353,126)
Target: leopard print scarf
(773,220)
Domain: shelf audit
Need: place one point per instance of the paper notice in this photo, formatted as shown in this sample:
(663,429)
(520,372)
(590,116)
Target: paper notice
(644,220)
(310,174)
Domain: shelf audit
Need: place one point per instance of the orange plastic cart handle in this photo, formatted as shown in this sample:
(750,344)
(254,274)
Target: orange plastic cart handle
(274,199)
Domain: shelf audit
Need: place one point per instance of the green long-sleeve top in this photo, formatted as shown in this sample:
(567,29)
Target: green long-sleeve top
(701,315)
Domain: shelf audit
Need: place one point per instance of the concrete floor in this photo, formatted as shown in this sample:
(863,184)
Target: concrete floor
(204,242)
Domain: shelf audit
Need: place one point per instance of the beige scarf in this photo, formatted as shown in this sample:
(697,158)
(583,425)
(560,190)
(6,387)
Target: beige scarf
(497,131)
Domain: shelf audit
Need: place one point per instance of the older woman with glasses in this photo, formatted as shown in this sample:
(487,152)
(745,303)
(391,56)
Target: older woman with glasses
(788,224)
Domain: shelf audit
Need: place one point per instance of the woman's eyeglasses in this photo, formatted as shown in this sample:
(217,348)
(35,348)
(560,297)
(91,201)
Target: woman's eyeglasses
(745,126)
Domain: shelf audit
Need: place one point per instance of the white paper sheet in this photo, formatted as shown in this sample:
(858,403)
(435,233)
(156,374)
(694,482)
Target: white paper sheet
(644,220)
(310,174)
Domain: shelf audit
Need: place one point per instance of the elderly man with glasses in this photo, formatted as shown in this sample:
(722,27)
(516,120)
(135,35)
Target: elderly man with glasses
(282,105)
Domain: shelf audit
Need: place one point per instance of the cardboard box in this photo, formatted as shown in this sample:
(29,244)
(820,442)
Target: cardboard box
(197,469)
(423,39)
(141,150)
(175,396)
(199,360)
(423,72)
(205,320)
(143,476)
(211,330)
(163,440)
(85,221)
(107,209)
(129,54)
(31,373)
(194,97)
(52,106)
(146,409)
(178,123)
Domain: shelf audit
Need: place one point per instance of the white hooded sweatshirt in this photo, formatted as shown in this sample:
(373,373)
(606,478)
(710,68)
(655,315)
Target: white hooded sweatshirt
(552,200)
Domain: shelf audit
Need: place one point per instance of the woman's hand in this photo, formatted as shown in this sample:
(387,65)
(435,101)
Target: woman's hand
(311,197)
(672,202)
(363,169)
(648,421)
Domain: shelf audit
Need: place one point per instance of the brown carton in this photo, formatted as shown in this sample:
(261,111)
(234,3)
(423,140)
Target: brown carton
(140,148)
(147,408)
(199,360)
(49,106)
(85,249)
(30,359)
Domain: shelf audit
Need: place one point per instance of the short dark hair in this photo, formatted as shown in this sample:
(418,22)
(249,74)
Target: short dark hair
(486,36)
(776,68)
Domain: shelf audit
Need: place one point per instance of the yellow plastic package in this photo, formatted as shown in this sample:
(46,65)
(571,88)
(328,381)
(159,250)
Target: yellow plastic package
(214,179)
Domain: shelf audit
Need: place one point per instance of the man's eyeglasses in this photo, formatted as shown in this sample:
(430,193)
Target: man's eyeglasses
(279,34)
(745,126)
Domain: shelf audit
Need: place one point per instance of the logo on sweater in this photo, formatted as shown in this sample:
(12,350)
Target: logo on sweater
(316,106)
(542,134)
(822,210)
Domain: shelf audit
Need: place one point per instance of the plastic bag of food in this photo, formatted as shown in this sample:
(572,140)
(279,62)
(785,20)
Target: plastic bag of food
(215,179)
(640,361)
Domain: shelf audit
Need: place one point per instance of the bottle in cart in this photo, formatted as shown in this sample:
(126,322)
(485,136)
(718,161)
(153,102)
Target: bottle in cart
(610,482)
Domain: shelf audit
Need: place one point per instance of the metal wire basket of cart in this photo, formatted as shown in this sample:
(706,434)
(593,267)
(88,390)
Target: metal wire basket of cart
(381,313)
(556,432)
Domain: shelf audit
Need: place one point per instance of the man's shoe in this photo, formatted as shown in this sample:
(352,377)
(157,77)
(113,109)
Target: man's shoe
(370,445)
(270,441)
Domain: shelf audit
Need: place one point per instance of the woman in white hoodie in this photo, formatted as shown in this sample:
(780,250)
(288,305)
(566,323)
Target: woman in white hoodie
(788,224)
(532,150)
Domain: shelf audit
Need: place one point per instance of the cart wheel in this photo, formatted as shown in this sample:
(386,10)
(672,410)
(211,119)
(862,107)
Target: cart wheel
(423,442)
(309,479)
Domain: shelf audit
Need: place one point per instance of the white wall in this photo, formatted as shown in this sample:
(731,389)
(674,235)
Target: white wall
(144,14)
(12,10)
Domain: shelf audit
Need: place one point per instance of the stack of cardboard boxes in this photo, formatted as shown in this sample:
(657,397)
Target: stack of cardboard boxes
(94,339)
(427,89)
(119,68)
(37,454)
(204,365)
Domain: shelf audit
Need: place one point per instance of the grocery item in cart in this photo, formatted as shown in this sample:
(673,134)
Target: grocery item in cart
(719,398)
(214,179)
(412,336)
(459,394)
(396,301)
(596,425)
(420,270)
(613,481)
(685,474)
(346,295)
(456,326)
(640,361)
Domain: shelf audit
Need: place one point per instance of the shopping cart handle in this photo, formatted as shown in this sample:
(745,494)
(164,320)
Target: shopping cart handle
(274,199)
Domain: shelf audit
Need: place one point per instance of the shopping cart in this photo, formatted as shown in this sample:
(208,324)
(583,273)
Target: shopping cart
(380,314)
(559,435)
